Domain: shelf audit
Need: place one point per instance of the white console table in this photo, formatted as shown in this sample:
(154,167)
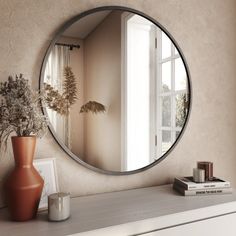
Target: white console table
(153,211)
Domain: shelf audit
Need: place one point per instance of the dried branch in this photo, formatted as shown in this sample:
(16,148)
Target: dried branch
(61,103)
(69,86)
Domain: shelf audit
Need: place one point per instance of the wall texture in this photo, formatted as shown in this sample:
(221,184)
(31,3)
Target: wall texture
(206,33)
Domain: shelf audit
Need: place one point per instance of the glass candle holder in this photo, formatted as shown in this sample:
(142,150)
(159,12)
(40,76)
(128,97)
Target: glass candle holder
(198,175)
(58,206)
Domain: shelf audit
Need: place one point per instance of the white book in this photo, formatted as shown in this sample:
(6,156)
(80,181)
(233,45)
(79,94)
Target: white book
(188,184)
(196,192)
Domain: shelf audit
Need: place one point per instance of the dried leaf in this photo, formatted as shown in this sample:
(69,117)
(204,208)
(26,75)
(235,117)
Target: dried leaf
(93,106)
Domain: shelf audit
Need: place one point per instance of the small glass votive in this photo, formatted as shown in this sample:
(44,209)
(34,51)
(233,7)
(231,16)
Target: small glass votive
(198,175)
(58,206)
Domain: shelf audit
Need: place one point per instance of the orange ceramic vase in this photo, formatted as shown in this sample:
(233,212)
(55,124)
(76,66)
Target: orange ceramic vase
(24,185)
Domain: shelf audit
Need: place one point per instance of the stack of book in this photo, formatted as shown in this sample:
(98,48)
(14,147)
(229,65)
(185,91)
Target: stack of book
(187,187)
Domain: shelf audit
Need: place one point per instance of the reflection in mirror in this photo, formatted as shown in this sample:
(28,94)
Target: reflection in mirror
(123,88)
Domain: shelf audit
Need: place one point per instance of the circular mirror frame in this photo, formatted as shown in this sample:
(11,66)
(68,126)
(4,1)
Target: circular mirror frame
(62,145)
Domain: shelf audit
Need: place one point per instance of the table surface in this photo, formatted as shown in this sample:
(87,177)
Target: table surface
(132,211)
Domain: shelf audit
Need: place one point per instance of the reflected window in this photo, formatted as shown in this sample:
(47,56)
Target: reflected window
(166,46)
(137,92)
(154,100)
(172,94)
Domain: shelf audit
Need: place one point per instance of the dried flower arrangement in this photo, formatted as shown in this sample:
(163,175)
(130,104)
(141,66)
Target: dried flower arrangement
(61,103)
(20,110)
(93,107)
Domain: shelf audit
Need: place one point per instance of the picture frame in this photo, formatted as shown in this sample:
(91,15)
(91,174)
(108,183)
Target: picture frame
(47,170)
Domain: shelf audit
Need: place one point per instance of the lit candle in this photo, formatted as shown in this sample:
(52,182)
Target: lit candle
(58,206)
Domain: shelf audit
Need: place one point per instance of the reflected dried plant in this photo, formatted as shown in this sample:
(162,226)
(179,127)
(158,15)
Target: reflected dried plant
(93,107)
(182,105)
(58,102)
(20,110)
(70,86)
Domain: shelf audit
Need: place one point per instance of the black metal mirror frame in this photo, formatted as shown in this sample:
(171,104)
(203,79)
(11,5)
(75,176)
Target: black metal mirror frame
(62,145)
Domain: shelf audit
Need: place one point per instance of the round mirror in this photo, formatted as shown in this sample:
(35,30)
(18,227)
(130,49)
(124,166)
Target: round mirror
(117,90)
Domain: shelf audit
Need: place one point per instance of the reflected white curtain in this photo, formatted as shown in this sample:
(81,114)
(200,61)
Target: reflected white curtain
(54,75)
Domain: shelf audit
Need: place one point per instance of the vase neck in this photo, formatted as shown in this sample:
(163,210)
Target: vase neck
(23,161)
(23,149)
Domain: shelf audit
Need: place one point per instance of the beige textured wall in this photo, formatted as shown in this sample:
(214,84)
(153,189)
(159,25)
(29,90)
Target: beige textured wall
(102,71)
(205,31)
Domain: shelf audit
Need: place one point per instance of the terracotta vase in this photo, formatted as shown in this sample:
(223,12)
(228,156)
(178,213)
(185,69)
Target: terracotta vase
(24,185)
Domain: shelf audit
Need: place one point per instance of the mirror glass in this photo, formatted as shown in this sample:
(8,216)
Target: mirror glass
(117,90)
